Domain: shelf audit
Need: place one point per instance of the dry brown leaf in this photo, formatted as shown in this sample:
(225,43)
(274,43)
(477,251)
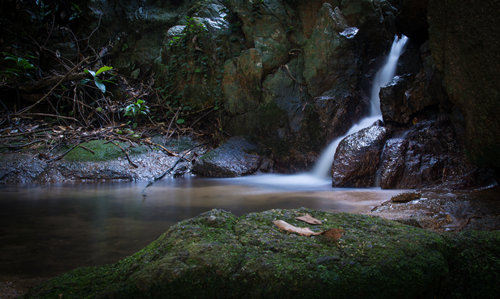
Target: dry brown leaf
(303,231)
(309,219)
(334,233)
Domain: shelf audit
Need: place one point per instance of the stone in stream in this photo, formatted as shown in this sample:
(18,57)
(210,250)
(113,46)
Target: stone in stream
(235,157)
(220,255)
(357,157)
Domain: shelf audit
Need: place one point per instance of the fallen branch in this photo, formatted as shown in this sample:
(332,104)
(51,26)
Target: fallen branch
(21,145)
(125,152)
(183,158)
(50,81)
(48,115)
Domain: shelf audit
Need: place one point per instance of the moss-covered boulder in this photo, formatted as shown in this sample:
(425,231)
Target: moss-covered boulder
(220,255)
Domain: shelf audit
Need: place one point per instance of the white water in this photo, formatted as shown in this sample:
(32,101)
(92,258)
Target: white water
(319,177)
(382,78)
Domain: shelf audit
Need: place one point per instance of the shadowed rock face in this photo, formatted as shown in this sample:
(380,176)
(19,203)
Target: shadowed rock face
(357,157)
(220,255)
(464,39)
(235,157)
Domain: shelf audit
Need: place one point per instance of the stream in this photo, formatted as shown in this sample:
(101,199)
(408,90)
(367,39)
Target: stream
(47,230)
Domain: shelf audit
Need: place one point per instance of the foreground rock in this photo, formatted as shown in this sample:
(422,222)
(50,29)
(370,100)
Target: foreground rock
(235,157)
(220,255)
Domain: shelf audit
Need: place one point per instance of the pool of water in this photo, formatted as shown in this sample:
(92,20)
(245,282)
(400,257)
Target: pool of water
(47,230)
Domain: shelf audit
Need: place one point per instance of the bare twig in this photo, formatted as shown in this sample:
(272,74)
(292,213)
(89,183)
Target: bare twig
(125,152)
(51,90)
(48,115)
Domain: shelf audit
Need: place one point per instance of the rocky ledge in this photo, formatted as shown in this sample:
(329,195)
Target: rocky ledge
(220,255)
(100,160)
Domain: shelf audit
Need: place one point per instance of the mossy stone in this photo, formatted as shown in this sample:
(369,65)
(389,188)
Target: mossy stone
(220,255)
(101,150)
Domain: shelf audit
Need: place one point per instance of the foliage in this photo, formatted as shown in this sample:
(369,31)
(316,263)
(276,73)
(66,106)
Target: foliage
(98,81)
(22,65)
(136,110)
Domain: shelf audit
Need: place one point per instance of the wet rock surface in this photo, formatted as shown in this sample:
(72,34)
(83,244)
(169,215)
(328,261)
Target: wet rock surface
(220,255)
(445,211)
(357,157)
(428,155)
(235,157)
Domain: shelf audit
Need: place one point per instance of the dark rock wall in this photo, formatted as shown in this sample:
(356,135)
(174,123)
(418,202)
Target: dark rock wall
(465,41)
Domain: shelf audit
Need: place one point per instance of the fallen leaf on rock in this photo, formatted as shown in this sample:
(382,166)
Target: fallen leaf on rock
(303,231)
(334,233)
(309,219)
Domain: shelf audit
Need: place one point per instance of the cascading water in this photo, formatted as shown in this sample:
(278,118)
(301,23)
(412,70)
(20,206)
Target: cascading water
(318,178)
(382,78)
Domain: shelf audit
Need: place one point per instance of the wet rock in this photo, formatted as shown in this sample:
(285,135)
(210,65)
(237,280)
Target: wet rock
(338,111)
(220,255)
(426,156)
(18,168)
(235,157)
(100,161)
(330,58)
(357,157)
(405,197)
(242,82)
(133,31)
(464,40)
(265,27)
(408,95)
(446,211)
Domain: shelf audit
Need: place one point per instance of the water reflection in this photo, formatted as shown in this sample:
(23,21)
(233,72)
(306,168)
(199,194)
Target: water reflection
(46,230)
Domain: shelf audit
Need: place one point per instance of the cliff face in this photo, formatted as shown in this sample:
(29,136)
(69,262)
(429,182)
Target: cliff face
(465,41)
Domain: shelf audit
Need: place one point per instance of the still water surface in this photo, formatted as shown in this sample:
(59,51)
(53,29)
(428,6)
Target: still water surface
(47,230)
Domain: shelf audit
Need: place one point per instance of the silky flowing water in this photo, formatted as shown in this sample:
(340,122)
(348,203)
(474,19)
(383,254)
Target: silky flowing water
(47,230)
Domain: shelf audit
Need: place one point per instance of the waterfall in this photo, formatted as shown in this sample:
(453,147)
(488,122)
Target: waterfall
(382,78)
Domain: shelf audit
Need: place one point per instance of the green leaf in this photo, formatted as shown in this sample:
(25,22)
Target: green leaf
(98,109)
(180,121)
(100,85)
(89,72)
(103,69)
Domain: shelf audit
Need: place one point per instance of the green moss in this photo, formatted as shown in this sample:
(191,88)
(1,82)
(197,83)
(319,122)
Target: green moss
(101,150)
(219,255)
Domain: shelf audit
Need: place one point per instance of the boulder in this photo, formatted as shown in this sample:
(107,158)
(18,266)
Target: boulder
(220,255)
(464,40)
(428,155)
(409,95)
(265,25)
(330,58)
(242,82)
(235,157)
(357,157)
(338,110)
